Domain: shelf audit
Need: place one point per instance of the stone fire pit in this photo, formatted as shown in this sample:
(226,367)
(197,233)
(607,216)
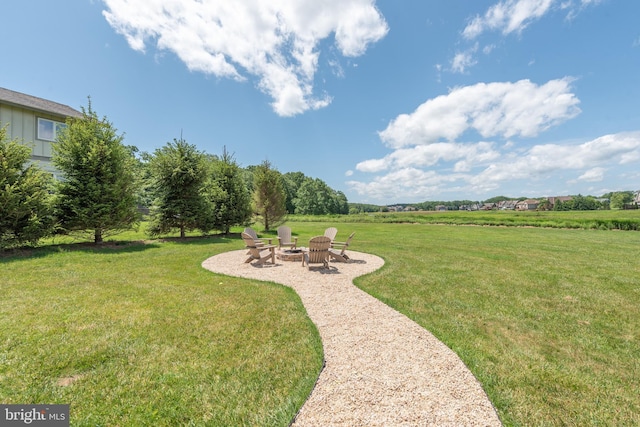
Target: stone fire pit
(290,254)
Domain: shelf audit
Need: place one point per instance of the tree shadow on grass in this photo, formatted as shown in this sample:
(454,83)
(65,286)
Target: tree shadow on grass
(19,254)
(201,240)
(109,246)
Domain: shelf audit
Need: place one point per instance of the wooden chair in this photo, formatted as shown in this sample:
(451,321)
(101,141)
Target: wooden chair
(318,252)
(252,233)
(340,255)
(331,233)
(285,239)
(261,253)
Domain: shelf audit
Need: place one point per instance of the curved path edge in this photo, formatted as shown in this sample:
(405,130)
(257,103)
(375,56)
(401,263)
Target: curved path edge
(381,368)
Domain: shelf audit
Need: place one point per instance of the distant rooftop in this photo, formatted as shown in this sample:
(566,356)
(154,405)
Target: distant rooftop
(34,103)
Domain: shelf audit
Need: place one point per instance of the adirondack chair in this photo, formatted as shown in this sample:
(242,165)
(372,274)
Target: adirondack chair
(285,239)
(331,233)
(252,233)
(318,252)
(337,250)
(259,253)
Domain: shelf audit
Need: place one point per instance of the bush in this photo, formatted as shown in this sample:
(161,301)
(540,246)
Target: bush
(25,201)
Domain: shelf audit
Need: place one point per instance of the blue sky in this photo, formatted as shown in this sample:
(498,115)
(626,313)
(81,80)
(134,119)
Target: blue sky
(388,101)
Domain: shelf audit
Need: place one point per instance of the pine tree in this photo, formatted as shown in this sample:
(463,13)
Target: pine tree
(97,194)
(26,213)
(229,195)
(269,195)
(179,174)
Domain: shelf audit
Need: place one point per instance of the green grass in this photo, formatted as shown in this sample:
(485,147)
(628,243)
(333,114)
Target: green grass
(546,318)
(628,220)
(146,336)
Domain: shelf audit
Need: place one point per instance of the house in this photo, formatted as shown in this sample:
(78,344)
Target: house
(507,205)
(554,200)
(471,207)
(527,205)
(35,122)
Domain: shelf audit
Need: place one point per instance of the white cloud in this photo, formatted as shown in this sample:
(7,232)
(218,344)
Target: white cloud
(431,154)
(428,159)
(275,41)
(544,160)
(492,109)
(593,175)
(488,49)
(408,183)
(463,60)
(496,169)
(513,16)
(336,68)
(507,16)
(574,10)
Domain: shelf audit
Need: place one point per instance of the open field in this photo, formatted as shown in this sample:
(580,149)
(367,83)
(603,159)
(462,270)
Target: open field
(546,318)
(627,220)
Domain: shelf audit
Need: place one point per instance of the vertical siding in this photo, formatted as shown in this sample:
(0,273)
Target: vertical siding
(6,119)
(22,126)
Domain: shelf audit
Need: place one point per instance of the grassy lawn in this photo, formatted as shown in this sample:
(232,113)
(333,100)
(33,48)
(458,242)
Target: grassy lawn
(143,335)
(547,319)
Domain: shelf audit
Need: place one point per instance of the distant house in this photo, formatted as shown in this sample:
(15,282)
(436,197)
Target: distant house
(527,205)
(603,200)
(441,208)
(554,200)
(507,204)
(35,122)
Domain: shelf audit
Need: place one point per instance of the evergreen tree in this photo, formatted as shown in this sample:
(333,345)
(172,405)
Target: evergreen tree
(98,191)
(179,177)
(228,193)
(269,197)
(26,213)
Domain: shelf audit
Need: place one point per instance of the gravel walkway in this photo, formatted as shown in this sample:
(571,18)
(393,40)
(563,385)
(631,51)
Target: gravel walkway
(382,369)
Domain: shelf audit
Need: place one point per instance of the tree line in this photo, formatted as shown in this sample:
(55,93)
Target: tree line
(107,185)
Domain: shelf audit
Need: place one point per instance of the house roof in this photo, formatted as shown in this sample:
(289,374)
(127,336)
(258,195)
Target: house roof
(562,199)
(34,103)
(529,202)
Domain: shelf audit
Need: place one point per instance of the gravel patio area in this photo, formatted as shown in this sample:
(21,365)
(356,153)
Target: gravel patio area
(381,368)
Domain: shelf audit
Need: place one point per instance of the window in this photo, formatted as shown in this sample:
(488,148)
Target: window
(48,129)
